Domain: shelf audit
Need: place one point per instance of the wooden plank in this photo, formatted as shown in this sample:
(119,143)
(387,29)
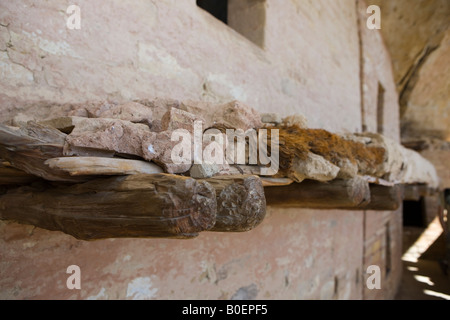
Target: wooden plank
(141,205)
(11,176)
(385,198)
(413,192)
(337,194)
(82,166)
(241,203)
(27,148)
(275,182)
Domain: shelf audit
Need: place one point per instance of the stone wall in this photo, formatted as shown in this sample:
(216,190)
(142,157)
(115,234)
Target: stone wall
(379,94)
(174,48)
(383,248)
(308,61)
(417,35)
(438,156)
(293,254)
(380,114)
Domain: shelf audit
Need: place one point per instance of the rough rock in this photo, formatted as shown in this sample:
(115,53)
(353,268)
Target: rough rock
(94,109)
(178,119)
(418,169)
(231,115)
(21,119)
(159,107)
(203,170)
(314,167)
(206,109)
(357,138)
(402,165)
(347,169)
(158,147)
(64,124)
(274,118)
(393,165)
(297,120)
(131,111)
(236,115)
(78,112)
(119,136)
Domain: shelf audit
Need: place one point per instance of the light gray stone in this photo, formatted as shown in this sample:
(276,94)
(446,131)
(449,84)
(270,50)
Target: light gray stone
(297,120)
(271,118)
(315,167)
(204,170)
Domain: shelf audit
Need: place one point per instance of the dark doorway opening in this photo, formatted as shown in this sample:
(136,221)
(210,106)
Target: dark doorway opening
(414,213)
(218,8)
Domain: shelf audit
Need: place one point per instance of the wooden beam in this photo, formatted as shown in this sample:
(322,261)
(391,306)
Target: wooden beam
(241,204)
(10,176)
(413,192)
(385,198)
(27,148)
(336,194)
(82,166)
(275,182)
(160,205)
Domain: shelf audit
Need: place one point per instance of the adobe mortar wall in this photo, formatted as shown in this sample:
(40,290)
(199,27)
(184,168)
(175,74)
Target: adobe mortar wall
(175,49)
(377,225)
(293,254)
(377,69)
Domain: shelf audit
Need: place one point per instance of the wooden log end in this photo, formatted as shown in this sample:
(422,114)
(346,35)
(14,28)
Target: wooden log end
(385,198)
(359,191)
(241,203)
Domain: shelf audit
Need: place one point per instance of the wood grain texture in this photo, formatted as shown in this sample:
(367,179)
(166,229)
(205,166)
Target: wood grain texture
(27,148)
(241,203)
(276,182)
(385,198)
(336,194)
(140,205)
(82,166)
(12,176)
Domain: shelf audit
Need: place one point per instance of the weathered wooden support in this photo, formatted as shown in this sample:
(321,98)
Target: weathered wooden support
(337,194)
(10,176)
(142,205)
(413,192)
(241,203)
(386,198)
(276,182)
(82,166)
(27,148)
